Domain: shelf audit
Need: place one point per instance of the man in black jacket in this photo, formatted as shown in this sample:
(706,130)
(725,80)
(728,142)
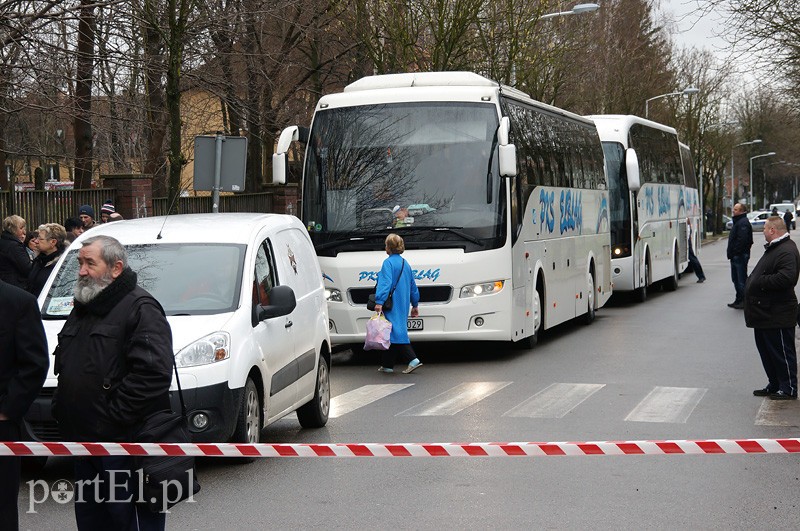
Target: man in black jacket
(23,368)
(770,309)
(740,240)
(114,366)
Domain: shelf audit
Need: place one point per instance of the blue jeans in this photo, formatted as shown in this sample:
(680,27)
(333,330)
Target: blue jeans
(739,274)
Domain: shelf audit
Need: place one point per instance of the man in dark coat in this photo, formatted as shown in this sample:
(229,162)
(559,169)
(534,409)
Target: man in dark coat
(770,309)
(23,367)
(114,366)
(740,240)
(787,218)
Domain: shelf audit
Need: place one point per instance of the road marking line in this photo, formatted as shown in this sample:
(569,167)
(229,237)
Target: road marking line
(555,401)
(454,400)
(769,413)
(364,395)
(667,404)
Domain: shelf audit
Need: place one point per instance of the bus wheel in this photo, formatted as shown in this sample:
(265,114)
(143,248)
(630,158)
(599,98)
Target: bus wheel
(641,293)
(530,341)
(590,311)
(671,284)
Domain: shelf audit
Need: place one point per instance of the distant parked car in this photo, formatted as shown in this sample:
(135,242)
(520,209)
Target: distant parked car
(758,218)
(727,221)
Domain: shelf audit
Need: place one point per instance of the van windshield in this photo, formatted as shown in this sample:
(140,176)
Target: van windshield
(187,279)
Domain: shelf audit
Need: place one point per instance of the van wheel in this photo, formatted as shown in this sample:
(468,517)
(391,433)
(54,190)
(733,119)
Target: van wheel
(314,414)
(590,311)
(248,425)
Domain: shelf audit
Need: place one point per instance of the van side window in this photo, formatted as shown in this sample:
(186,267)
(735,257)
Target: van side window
(264,278)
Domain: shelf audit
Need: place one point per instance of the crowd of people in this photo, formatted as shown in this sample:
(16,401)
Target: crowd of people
(768,298)
(89,405)
(28,257)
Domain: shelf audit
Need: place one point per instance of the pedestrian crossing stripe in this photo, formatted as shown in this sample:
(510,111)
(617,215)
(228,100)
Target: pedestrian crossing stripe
(661,405)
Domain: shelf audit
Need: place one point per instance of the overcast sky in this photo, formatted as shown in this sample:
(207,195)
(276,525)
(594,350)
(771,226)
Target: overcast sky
(691,28)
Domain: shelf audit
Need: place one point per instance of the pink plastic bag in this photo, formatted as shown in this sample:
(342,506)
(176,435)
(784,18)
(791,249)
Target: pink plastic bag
(378,331)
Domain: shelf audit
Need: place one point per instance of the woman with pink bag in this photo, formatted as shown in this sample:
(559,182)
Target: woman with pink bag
(396,272)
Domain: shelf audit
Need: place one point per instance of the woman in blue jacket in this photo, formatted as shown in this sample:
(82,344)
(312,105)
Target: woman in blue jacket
(395,272)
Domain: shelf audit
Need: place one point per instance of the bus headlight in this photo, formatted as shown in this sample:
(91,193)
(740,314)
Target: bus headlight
(333,295)
(212,348)
(620,251)
(485,288)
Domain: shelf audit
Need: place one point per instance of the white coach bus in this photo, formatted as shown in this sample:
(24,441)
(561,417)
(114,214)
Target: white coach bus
(501,200)
(649,202)
(694,210)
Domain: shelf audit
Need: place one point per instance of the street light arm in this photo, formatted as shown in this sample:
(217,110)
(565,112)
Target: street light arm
(576,10)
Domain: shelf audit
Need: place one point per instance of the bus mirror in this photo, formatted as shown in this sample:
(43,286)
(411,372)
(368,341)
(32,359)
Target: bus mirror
(502,131)
(287,135)
(632,169)
(279,168)
(507,160)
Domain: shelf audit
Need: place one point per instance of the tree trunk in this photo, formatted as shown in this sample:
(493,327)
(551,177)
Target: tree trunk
(83,96)
(156,116)
(177,27)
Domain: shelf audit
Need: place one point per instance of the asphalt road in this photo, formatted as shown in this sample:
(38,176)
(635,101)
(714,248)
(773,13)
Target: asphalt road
(680,366)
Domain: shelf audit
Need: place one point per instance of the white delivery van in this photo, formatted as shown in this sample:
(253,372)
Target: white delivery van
(244,297)
(786,207)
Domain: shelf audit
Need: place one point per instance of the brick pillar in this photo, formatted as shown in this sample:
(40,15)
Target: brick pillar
(133,196)
(284,198)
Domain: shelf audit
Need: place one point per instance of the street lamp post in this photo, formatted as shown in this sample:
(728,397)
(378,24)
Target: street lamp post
(733,185)
(770,154)
(686,92)
(703,128)
(578,9)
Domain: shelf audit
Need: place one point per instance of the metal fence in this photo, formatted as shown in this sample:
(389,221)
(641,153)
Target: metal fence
(55,206)
(52,206)
(260,202)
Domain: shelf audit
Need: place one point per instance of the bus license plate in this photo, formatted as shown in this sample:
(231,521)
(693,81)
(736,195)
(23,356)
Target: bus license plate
(415,324)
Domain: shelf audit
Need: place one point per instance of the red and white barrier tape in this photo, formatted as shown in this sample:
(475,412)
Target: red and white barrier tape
(496,449)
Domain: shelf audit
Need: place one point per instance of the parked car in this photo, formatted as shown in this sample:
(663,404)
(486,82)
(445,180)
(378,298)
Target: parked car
(727,221)
(758,218)
(244,296)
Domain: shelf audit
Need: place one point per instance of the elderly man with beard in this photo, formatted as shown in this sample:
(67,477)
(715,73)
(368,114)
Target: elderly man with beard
(114,367)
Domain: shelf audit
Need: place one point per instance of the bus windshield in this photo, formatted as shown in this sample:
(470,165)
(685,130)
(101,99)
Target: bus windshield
(421,169)
(618,198)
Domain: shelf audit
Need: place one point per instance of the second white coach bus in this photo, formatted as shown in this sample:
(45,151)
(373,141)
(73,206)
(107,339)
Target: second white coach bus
(501,200)
(649,202)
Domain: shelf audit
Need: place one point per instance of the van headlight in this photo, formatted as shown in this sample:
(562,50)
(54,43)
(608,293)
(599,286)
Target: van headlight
(333,295)
(210,349)
(484,288)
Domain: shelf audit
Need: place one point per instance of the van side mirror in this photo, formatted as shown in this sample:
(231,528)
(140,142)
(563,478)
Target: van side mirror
(632,170)
(280,162)
(281,302)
